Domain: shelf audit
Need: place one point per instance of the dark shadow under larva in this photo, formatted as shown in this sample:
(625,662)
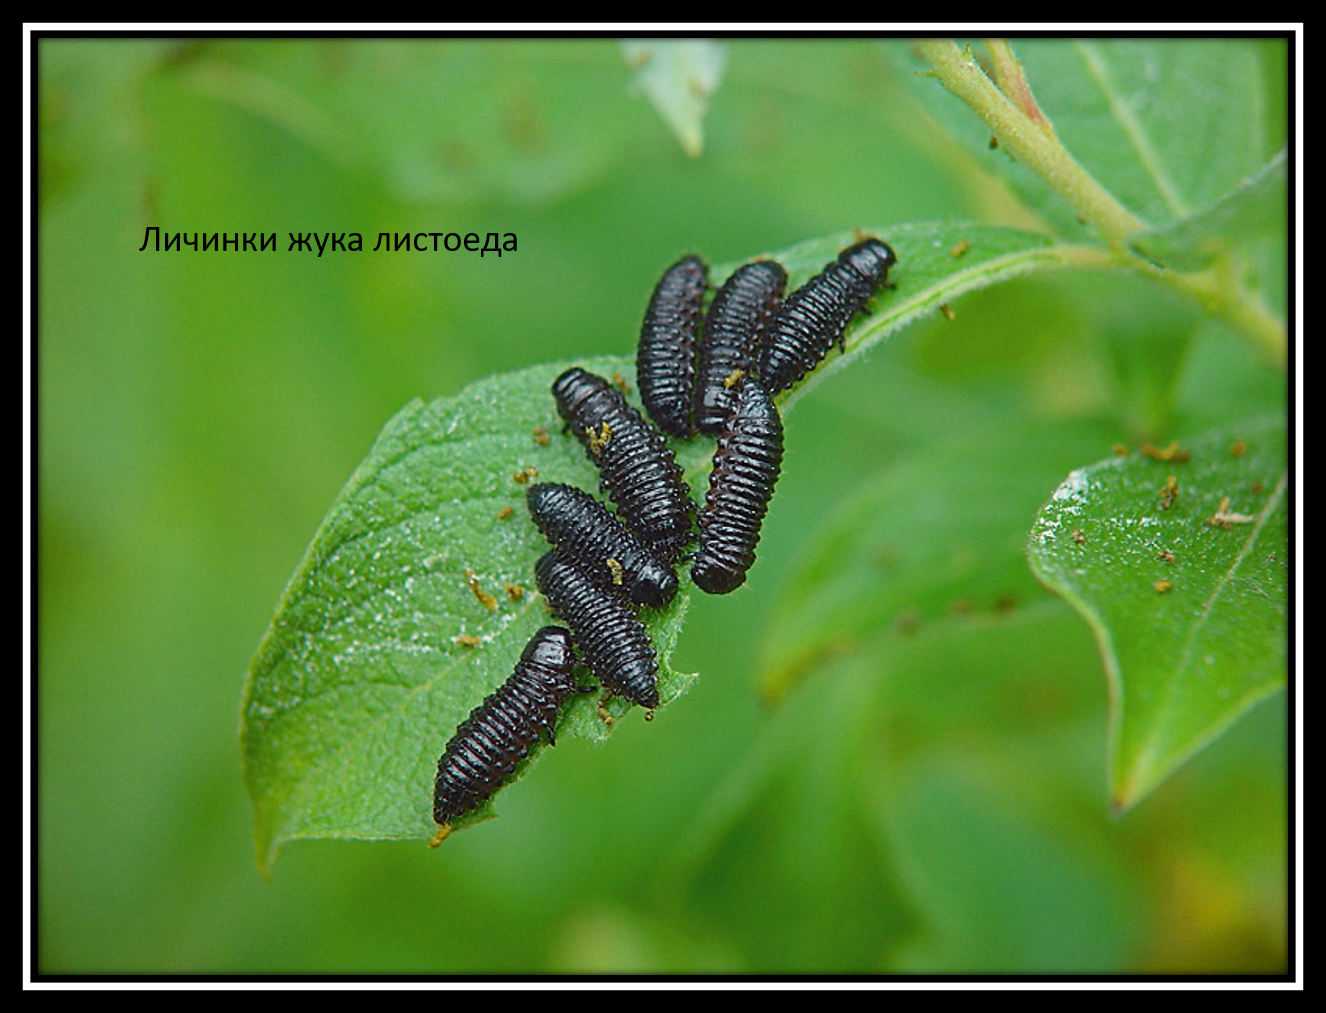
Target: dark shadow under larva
(746,463)
(665,358)
(814,316)
(741,312)
(576,522)
(635,464)
(613,642)
(499,733)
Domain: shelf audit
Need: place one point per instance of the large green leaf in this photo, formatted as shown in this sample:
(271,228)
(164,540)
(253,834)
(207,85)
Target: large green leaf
(938,539)
(1185,584)
(412,604)
(380,645)
(1255,211)
(1125,108)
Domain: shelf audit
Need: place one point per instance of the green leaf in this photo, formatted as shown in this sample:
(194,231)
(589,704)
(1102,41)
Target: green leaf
(1255,211)
(1167,126)
(678,77)
(1188,601)
(367,669)
(936,540)
(470,122)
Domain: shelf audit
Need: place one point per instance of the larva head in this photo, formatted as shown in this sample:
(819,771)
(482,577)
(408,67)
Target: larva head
(572,387)
(870,258)
(655,587)
(551,648)
(715,577)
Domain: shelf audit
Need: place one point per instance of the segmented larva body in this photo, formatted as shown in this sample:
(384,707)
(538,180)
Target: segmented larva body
(499,732)
(665,359)
(635,465)
(730,348)
(746,463)
(613,642)
(814,316)
(576,522)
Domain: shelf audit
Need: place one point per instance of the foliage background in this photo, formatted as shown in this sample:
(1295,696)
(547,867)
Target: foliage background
(929,798)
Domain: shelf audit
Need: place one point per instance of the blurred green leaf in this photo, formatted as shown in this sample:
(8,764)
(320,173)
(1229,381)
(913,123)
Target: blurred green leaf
(1257,210)
(1017,876)
(1167,126)
(1146,336)
(1181,568)
(678,76)
(938,538)
(470,121)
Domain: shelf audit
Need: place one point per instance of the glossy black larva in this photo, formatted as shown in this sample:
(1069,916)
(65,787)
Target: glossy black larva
(499,733)
(665,358)
(813,317)
(730,348)
(746,464)
(610,555)
(635,465)
(613,642)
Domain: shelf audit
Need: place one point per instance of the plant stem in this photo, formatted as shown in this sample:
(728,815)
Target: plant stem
(1241,310)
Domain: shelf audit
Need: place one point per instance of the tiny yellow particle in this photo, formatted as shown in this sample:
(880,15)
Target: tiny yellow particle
(1173,453)
(1224,517)
(1169,493)
(599,439)
(487,600)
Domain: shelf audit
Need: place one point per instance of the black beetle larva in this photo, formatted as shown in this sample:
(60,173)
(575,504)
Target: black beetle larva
(498,734)
(613,642)
(746,463)
(741,312)
(635,464)
(665,359)
(611,555)
(813,317)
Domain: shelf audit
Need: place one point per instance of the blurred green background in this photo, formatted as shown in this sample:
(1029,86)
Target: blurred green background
(932,799)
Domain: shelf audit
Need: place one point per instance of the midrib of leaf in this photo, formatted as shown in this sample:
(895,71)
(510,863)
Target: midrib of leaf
(1148,754)
(1132,128)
